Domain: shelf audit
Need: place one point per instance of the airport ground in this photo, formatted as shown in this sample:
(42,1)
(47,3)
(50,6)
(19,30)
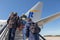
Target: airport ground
(52,38)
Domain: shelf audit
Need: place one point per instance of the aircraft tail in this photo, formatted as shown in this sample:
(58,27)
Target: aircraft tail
(35,12)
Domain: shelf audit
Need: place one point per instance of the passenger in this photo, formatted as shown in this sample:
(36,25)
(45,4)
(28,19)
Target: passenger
(23,30)
(24,17)
(29,21)
(34,31)
(12,25)
(19,34)
(9,25)
(26,22)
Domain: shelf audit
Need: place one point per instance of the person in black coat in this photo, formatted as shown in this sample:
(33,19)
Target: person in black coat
(12,23)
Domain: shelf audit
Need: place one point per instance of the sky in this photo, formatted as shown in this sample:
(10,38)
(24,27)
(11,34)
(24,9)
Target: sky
(22,6)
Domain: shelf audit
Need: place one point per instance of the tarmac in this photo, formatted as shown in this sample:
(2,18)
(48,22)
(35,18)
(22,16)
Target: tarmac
(53,38)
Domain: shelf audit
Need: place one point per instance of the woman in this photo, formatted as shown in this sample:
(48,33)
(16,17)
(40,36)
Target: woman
(19,31)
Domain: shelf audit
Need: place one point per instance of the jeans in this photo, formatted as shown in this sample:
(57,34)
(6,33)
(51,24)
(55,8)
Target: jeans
(11,33)
(24,34)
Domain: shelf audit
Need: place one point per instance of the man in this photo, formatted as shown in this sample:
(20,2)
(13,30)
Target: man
(34,31)
(29,21)
(12,25)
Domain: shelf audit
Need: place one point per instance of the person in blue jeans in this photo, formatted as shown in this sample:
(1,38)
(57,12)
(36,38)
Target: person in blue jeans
(34,31)
(23,30)
(12,23)
(12,33)
(27,25)
(23,21)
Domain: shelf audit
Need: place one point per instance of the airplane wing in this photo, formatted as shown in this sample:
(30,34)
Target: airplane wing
(35,12)
(48,19)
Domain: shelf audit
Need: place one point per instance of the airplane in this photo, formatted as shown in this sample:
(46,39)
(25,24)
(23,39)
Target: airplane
(35,14)
(2,23)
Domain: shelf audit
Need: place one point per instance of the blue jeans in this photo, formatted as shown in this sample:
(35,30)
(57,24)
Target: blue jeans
(24,34)
(11,33)
(36,37)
